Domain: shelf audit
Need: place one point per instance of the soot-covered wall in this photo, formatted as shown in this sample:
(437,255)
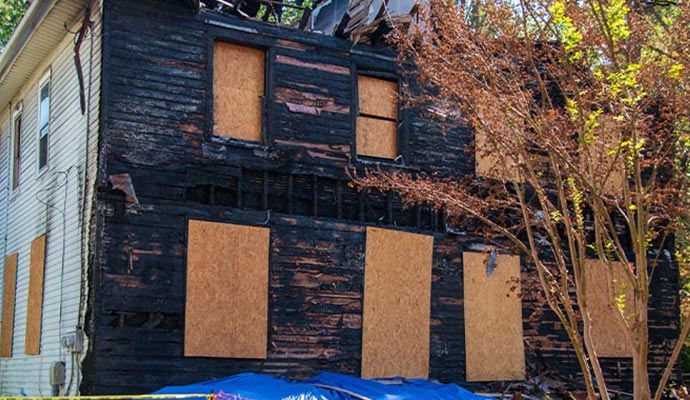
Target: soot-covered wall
(156,127)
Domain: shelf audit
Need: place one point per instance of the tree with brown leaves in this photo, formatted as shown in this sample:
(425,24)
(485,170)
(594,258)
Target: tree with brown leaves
(580,111)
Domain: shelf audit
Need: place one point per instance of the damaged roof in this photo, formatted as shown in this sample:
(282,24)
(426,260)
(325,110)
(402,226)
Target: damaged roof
(361,21)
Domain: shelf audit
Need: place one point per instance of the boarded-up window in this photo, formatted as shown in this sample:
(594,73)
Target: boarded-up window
(607,327)
(604,163)
(490,163)
(397,290)
(227,291)
(238,90)
(9,286)
(34,310)
(494,345)
(377,121)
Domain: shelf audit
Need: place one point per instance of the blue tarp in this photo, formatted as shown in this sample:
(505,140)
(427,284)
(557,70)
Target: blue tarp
(395,388)
(326,386)
(252,387)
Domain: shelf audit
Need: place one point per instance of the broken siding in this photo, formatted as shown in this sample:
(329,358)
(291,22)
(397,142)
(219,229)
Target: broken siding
(26,216)
(315,301)
(156,126)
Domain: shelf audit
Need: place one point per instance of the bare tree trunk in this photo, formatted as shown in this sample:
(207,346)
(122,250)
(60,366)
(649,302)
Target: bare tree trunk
(582,359)
(641,389)
(594,360)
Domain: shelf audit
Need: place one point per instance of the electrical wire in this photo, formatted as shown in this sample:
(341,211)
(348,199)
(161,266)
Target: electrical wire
(42,196)
(60,181)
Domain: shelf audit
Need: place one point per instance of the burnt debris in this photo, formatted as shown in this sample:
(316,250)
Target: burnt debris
(361,21)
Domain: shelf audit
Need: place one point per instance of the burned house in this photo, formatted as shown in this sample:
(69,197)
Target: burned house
(176,207)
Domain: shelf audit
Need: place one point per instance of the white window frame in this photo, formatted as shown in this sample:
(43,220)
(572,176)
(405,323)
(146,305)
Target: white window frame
(15,146)
(45,80)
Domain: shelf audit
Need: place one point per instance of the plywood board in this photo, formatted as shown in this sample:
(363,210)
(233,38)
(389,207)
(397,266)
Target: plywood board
(9,287)
(490,164)
(34,310)
(601,162)
(227,291)
(494,344)
(238,84)
(607,327)
(377,138)
(378,97)
(245,116)
(397,292)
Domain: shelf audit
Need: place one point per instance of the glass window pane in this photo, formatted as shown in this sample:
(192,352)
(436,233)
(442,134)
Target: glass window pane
(42,151)
(44,117)
(16,151)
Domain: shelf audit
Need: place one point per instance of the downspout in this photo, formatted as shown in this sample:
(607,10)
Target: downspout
(88,196)
(85,219)
(85,28)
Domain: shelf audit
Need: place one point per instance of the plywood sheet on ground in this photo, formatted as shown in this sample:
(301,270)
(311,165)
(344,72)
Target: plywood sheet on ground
(377,138)
(377,97)
(397,291)
(227,291)
(9,286)
(238,84)
(607,326)
(494,344)
(34,310)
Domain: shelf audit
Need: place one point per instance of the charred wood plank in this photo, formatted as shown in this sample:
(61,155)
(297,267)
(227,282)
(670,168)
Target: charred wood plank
(291,183)
(240,180)
(264,194)
(315,195)
(339,198)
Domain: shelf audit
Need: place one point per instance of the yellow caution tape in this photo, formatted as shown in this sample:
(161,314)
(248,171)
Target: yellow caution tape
(113,397)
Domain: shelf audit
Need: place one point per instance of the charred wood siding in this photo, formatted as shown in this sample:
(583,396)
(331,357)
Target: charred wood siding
(156,125)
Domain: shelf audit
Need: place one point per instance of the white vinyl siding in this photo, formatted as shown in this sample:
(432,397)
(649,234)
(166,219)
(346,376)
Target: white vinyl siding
(50,202)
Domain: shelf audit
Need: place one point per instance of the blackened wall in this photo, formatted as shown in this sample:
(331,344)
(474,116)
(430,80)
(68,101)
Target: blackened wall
(155,127)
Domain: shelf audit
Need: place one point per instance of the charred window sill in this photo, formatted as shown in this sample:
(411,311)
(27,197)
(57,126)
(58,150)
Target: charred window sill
(398,163)
(259,148)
